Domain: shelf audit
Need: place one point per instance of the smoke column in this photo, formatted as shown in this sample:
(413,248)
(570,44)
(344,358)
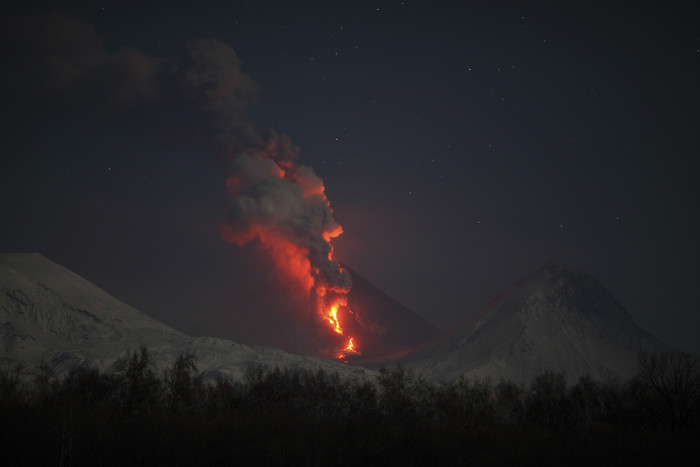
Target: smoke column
(283,206)
(60,61)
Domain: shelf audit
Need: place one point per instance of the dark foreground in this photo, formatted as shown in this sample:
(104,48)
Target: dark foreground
(138,417)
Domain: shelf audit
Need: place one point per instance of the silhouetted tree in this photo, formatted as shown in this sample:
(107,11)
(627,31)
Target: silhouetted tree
(586,401)
(137,381)
(181,382)
(11,383)
(547,403)
(43,382)
(396,394)
(510,403)
(674,378)
(223,398)
(364,396)
(469,402)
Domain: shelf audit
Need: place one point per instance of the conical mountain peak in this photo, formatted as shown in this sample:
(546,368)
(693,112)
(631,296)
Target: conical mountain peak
(553,319)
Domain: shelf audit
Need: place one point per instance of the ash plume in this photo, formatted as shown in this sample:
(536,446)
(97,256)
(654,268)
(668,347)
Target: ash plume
(55,61)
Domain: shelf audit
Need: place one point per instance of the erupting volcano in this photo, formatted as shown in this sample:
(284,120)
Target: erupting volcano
(273,202)
(283,207)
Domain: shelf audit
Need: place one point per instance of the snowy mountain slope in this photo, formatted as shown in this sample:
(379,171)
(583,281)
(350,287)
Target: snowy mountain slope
(555,319)
(49,314)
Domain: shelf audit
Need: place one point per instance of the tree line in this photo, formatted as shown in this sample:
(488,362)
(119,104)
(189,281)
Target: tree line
(141,416)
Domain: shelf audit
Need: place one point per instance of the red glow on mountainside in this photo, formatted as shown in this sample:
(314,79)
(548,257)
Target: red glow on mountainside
(290,259)
(284,207)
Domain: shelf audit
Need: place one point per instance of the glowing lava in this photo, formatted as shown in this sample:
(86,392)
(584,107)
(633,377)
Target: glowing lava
(333,319)
(331,316)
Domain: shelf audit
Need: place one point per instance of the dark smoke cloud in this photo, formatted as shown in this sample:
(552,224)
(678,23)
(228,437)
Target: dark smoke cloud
(53,59)
(45,55)
(58,60)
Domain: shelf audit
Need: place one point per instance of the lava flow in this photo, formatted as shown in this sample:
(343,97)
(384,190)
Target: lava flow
(331,316)
(333,319)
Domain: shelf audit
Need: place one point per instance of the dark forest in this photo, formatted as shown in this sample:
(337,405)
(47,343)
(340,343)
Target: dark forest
(139,415)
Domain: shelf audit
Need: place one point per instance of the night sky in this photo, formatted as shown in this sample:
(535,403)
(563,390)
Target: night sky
(462,145)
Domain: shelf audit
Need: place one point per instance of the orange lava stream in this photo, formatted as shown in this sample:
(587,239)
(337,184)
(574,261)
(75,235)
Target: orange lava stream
(333,319)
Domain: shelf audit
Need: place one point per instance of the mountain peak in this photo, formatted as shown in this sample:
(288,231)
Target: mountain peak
(553,319)
(567,290)
(44,306)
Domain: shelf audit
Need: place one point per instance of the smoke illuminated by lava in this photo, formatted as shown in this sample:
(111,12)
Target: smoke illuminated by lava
(202,103)
(284,207)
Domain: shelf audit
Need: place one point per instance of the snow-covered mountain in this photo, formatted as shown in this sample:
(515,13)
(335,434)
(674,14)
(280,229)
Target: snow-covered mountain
(554,319)
(50,315)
